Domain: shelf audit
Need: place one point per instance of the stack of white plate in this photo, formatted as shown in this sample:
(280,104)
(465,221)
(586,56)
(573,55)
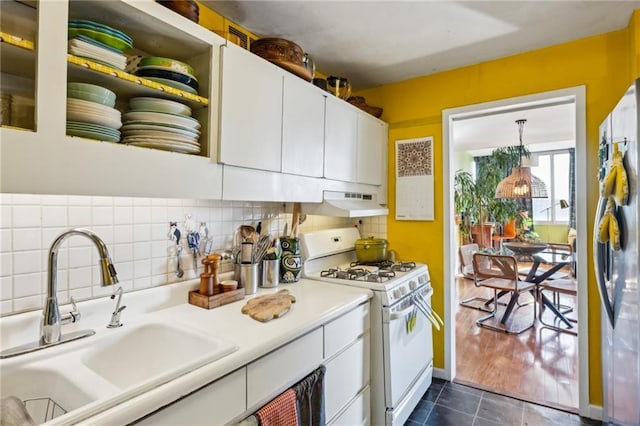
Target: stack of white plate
(161,124)
(93,119)
(92,49)
(98,42)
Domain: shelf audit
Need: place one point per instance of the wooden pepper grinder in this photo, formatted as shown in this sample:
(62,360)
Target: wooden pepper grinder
(206,278)
(215,258)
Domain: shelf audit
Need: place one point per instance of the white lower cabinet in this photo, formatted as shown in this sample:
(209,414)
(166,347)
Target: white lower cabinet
(347,374)
(270,375)
(214,404)
(346,345)
(356,413)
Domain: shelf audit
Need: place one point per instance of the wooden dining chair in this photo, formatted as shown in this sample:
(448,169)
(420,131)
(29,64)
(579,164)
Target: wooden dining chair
(500,273)
(567,286)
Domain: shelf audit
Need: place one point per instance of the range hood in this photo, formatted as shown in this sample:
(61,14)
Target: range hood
(346,204)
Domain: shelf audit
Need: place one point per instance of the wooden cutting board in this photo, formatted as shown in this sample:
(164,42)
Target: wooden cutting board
(269,306)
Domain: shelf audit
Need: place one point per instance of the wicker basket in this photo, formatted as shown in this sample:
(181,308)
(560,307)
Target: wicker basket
(283,53)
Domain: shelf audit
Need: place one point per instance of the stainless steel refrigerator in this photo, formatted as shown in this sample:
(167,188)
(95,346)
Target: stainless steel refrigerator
(616,262)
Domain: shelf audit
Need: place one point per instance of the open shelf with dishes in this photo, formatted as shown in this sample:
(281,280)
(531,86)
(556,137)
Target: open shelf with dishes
(179,163)
(18,63)
(119,47)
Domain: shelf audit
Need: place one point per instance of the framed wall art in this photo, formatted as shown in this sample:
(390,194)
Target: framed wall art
(414,179)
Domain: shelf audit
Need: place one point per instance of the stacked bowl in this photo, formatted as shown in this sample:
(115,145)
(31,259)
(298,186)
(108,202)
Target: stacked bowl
(98,42)
(170,72)
(91,113)
(161,124)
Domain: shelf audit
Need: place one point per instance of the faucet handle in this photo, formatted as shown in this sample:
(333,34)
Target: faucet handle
(72,316)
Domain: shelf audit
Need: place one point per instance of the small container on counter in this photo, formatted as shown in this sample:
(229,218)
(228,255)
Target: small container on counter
(270,273)
(248,277)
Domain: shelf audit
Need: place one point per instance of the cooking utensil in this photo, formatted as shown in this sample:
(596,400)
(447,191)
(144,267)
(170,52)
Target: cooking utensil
(246,252)
(261,248)
(339,86)
(371,250)
(295,220)
(179,271)
(246,232)
(193,239)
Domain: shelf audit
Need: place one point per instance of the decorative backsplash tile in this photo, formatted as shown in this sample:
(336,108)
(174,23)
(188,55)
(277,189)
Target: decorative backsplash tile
(136,233)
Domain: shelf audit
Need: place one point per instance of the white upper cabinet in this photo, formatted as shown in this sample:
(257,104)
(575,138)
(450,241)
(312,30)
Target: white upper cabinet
(43,157)
(340,149)
(371,148)
(355,145)
(251,111)
(270,119)
(302,128)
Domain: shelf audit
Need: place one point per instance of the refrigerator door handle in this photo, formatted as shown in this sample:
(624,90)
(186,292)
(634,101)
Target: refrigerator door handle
(601,263)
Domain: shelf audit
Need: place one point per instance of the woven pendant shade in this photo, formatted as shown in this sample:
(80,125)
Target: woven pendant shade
(521,183)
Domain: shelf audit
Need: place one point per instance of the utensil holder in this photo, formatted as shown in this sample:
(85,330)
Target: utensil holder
(290,268)
(249,277)
(270,273)
(291,260)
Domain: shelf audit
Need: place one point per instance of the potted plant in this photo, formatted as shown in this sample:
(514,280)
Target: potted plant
(471,203)
(474,200)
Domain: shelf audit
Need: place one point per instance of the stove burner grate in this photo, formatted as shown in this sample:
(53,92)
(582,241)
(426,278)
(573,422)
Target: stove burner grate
(403,266)
(384,264)
(329,273)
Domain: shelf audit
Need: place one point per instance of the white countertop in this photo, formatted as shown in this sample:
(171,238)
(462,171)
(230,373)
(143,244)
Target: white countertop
(316,304)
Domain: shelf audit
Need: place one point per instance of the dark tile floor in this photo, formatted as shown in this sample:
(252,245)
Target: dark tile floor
(447,403)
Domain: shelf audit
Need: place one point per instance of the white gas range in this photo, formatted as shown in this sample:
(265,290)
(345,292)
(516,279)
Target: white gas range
(401,318)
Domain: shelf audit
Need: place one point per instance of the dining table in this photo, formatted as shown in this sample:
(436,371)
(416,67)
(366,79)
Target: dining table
(554,259)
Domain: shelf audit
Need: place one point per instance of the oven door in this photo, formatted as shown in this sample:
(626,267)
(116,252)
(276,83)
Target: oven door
(408,349)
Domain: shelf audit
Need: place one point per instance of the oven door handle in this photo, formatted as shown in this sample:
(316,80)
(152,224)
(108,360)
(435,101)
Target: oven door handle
(401,314)
(421,300)
(426,313)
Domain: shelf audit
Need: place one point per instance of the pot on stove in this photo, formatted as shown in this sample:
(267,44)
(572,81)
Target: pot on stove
(369,250)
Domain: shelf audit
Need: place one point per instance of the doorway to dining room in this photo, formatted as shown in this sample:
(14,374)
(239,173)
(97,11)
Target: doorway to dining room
(539,364)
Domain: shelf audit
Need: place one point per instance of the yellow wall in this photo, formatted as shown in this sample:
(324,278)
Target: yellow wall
(606,64)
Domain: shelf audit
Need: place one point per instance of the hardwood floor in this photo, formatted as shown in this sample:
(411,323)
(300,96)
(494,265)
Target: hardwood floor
(538,365)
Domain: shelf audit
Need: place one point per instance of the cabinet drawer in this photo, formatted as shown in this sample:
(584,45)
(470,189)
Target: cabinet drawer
(344,330)
(271,374)
(347,374)
(357,413)
(216,403)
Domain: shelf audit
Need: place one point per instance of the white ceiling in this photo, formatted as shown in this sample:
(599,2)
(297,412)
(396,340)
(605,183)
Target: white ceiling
(378,42)
(550,125)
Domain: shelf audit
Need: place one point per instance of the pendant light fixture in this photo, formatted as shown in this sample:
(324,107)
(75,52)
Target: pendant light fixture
(521,183)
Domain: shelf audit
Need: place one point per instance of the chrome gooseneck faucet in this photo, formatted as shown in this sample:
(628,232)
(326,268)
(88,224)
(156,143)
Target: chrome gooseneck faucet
(51,320)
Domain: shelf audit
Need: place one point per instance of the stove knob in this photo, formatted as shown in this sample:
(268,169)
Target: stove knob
(396,293)
(413,285)
(403,290)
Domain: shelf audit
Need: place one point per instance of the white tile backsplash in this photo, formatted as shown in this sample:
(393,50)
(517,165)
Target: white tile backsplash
(135,231)
(26,216)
